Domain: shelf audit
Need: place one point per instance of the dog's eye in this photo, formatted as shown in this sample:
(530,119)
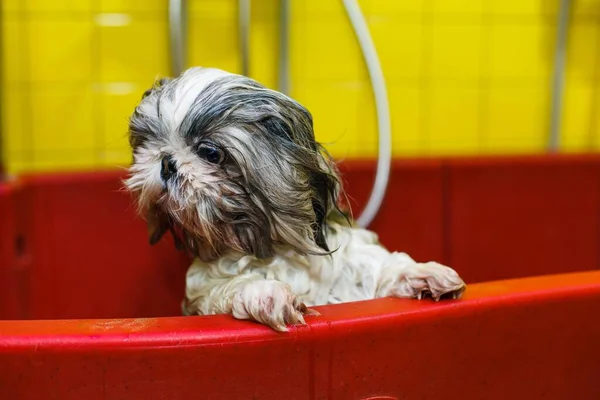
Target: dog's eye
(211,153)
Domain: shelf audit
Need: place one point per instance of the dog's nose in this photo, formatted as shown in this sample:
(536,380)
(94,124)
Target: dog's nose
(167,168)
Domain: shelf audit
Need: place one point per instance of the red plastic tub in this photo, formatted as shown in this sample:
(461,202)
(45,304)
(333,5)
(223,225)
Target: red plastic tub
(87,307)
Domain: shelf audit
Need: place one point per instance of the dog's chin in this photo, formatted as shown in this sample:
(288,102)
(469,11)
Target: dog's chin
(194,241)
(195,244)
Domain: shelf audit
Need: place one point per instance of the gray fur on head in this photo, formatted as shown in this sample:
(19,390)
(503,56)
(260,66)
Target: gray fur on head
(227,164)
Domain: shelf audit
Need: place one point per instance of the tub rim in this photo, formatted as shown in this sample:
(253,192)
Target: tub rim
(348,318)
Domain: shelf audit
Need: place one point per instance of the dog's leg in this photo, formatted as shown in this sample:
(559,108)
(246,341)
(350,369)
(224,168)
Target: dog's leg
(401,276)
(270,302)
(247,297)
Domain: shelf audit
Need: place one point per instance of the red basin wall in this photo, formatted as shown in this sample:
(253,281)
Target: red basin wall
(70,247)
(529,338)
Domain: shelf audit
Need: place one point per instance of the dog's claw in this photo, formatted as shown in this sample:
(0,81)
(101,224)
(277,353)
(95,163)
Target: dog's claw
(311,312)
(429,280)
(301,320)
(271,303)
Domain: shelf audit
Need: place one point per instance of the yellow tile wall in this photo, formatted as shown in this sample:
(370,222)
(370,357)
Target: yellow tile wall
(464,76)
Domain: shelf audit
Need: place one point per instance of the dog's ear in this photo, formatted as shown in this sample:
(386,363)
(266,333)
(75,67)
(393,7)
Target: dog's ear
(293,131)
(325,186)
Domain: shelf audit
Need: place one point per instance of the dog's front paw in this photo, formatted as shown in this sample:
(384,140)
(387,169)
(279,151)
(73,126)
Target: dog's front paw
(429,279)
(271,303)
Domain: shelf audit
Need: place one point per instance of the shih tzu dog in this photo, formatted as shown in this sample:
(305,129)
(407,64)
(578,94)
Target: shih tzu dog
(232,170)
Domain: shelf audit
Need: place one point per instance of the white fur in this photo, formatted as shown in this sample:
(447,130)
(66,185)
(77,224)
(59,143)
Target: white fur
(360,269)
(193,81)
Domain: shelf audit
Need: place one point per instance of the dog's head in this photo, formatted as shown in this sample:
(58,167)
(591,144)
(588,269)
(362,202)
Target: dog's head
(225,163)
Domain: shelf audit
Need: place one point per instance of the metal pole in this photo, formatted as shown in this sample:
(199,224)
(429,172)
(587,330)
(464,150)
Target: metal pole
(558,78)
(284,47)
(244,16)
(178,35)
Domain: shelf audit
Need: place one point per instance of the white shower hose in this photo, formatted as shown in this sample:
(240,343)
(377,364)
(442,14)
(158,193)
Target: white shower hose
(384,161)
